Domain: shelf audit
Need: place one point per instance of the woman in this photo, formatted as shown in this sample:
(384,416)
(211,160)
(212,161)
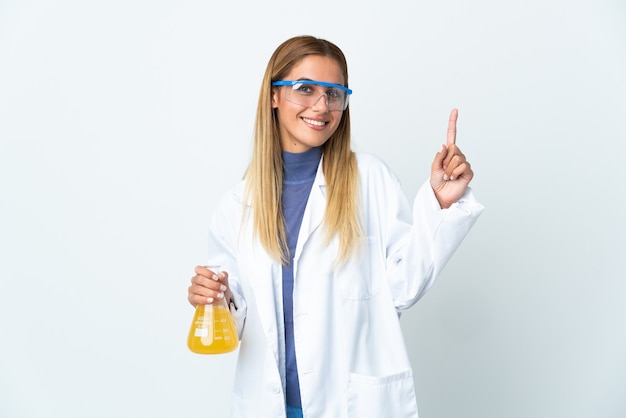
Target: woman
(320,250)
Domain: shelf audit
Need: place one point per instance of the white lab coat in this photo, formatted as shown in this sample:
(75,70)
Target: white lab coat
(352,360)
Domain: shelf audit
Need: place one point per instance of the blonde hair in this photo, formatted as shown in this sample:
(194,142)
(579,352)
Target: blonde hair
(264,175)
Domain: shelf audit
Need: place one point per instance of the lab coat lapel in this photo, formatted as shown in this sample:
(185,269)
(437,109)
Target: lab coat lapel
(314,211)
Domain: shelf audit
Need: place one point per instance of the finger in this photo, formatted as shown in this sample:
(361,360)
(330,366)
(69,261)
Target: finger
(464,171)
(202,294)
(223,276)
(454,155)
(451,140)
(203,271)
(452,168)
(210,272)
(202,284)
(196,299)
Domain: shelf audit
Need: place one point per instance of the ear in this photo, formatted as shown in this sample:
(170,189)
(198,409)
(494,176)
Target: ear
(275,98)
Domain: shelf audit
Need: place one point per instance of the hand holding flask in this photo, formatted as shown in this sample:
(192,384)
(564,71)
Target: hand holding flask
(213,329)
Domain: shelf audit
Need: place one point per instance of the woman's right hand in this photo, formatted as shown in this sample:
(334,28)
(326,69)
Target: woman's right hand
(208,286)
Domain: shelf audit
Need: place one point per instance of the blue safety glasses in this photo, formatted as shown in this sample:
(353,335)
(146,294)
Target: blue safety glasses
(308,92)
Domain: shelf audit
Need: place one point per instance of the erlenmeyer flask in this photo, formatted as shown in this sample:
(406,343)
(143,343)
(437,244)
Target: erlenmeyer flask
(213,329)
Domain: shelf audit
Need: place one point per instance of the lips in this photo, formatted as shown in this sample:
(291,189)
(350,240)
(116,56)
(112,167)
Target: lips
(314,122)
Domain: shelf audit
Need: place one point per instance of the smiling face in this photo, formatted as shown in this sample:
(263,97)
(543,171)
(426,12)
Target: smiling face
(302,128)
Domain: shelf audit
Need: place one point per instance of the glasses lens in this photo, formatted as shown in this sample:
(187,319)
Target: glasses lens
(308,94)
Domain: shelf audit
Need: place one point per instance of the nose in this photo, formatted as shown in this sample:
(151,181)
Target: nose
(321,106)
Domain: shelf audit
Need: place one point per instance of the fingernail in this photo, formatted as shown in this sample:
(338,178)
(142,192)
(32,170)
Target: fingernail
(222,288)
(209,300)
(214,277)
(451,177)
(445,176)
(220,295)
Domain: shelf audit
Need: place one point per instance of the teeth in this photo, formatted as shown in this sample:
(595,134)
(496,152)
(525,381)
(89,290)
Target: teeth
(314,122)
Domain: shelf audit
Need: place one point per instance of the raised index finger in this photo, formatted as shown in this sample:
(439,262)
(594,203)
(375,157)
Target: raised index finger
(452,127)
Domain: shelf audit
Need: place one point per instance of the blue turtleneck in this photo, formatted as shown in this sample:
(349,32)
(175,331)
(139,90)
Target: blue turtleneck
(299,172)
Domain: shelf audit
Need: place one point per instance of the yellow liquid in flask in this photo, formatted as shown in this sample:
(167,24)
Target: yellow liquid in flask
(212,330)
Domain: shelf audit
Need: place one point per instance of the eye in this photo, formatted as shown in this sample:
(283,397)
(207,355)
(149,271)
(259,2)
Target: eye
(335,94)
(303,88)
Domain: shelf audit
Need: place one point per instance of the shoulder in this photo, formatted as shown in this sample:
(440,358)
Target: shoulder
(373,167)
(365,158)
(232,199)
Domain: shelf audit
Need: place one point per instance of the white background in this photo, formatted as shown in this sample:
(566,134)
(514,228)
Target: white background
(120,121)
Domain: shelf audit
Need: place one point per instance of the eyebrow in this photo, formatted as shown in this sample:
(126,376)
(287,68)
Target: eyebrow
(310,79)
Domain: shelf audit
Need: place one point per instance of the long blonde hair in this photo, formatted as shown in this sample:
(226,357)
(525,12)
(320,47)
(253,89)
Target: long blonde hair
(264,175)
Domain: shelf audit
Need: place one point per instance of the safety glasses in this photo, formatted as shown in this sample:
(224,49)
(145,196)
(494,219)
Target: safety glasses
(308,92)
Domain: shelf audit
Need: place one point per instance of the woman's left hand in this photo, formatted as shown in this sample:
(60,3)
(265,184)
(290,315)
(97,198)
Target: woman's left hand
(451,173)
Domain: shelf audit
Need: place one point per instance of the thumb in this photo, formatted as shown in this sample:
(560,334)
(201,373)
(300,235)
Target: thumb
(438,161)
(437,169)
(224,277)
